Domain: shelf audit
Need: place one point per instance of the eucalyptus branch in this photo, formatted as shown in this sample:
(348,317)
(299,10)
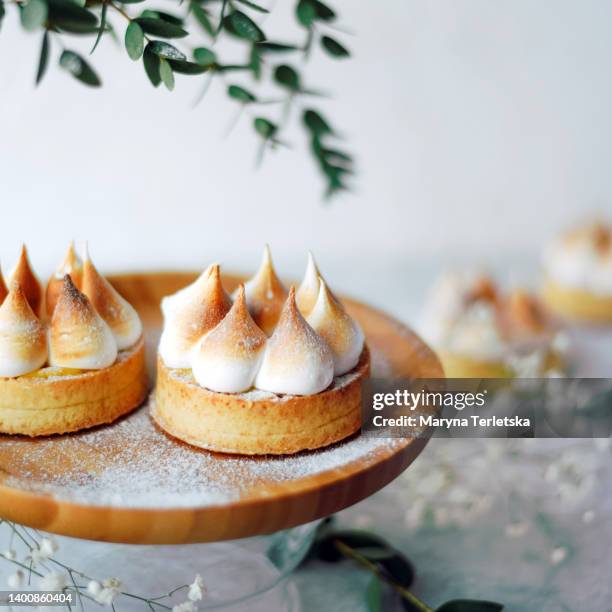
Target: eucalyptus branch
(146,40)
(403,592)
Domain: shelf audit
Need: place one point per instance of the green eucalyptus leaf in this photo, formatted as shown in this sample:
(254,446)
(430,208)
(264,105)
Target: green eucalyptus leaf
(470,605)
(255,62)
(150,62)
(204,56)
(399,568)
(315,123)
(74,64)
(34,15)
(43,60)
(187,67)
(168,17)
(160,27)
(2,11)
(274,47)
(253,6)
(202,18)
(265,128)
(242,26)
(165,50)
(166,74)
(309,11)
(70,17)
(102,26)
(240,94)
(322,11)
(333,47)
(305,12)
(287,77)
(134,41)
(374,595)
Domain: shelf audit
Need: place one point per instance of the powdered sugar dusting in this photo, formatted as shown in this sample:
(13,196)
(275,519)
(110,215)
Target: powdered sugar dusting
(132,464)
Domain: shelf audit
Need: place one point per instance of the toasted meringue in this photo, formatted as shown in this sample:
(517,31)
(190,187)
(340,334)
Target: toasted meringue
(189,314)
(23,342)
(525,313)
(227,358)
(265,295)
(308,291)
(343,335)
(3,289)
(23,274)
(297,360)
(72,265)
(78,336)
(119,315)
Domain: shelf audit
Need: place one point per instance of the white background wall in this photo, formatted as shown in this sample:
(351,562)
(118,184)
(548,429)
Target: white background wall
(480,126)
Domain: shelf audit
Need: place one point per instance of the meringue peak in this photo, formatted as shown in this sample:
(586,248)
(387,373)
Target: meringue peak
(228,357)
(342,333)
(23,342)
(78,336)
(308,291)
(297,360)
(265,294)
(116,311)
(525,312)
(72,265)
(189,314)
(23,274)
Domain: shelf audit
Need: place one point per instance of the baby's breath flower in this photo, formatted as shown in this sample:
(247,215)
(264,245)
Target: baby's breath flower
(16,580)
(10,554)
(53,582)
(516,530)
(558,555)
(186,606)
(47,548)
(197,590)
(588,517)
(105,592)
(94,588)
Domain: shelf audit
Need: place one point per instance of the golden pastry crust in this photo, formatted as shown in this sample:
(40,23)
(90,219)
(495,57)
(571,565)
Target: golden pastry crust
(575,304)
(258,423)
(54,401)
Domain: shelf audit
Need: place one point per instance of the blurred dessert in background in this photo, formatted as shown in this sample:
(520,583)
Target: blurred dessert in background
(481,332)
(578,274)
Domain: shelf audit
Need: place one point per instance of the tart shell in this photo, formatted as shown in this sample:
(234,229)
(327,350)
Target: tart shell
(42,403)
(576,304)
(258,423)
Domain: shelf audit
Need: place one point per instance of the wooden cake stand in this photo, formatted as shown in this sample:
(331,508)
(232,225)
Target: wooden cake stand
(129,482)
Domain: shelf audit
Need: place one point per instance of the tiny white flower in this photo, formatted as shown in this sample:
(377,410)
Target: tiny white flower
(197,590)
(558,555)
(516,530)
(106,592)
(53,582)
(45,549)
(48,547)
(112,583)
(186,606)
(10,554)
(588,517)
(16,580)
(94,588)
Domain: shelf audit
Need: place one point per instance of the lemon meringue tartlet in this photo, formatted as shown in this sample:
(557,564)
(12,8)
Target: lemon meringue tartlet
(264,376)
(578,269)
(479,331)
(84,367)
